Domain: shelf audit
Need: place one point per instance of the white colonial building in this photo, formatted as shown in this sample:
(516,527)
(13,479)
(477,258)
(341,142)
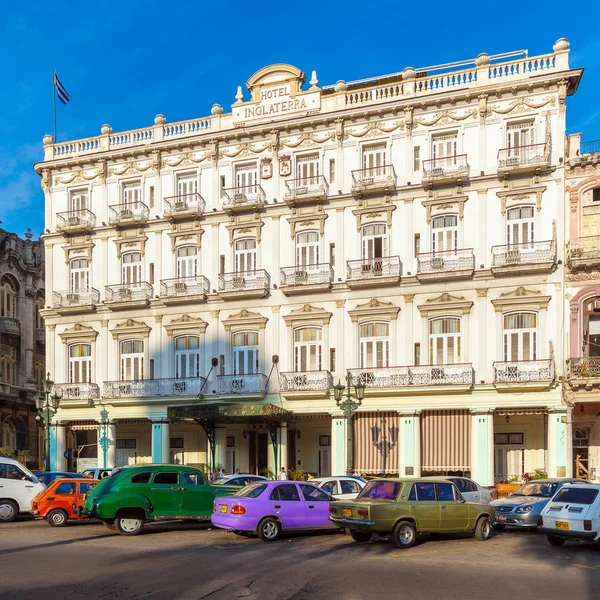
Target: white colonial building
(209,280)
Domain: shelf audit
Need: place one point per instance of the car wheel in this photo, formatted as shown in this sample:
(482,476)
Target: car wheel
(269,530)
(483,529)
(57,517)
(361,536)
(498,526)
(556,541)
(129,525)
(8,511)
(404,534)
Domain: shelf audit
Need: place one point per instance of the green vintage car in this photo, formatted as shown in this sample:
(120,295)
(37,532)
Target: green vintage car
(407,507)
(134,495)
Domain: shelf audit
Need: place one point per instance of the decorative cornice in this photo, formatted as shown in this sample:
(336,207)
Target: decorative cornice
(79,333)
(245,318)
(374,308)
(308,312)
(447,304)
(521,296)
(187,324)
(130,327)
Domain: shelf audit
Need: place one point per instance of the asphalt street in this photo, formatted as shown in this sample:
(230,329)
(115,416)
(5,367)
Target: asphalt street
(196,561)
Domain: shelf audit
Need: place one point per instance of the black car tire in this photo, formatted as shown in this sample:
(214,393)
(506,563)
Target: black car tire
(57,517)
(499,526)
(404,535)
(483,529)
(555,540)
(129,525)
(269,529)
(361,536)
(8,511)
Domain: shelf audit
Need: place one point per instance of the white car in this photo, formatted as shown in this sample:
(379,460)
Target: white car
(342,488)
(573,513)
(18,487)
(471,491)
(238,479)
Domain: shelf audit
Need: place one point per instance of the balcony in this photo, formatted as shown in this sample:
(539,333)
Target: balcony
(448,169)
(373,272)
(526,374)
(584,372)
(451,264)
(306,279)
(522,159)
(77,394)
(306,189)
(10,325)
(185,206)
(306,384)
(531,257)
(244,284)
(75,220)
(251,387)
(242,198)
(128,295)
(373,180)
(149,388)
(73,302)
(583,253)
(121,215)
(397,380)
(184,290)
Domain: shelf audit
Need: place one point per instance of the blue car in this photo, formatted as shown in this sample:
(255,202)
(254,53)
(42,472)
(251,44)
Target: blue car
(47,477)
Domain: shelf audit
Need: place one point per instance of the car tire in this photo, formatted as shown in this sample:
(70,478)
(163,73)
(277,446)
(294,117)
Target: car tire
(57,517)
(498,526)
(269,530)
(8,511)
(556,540)
(129,525)
(404,535)
(361,536)
(483,529)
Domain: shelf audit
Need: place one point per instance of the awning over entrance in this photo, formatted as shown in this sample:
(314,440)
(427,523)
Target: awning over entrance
(229,413)
(446,440)
(376,442)
(522,410)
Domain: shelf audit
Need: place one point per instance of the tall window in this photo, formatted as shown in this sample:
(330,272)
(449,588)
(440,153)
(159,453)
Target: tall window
(245,353)
(132,360)
(591,327)
(187,356)
(444,146)
(520,337)
(246,175)
(132,193)
(187,261)
(186,185)
(374,242)
(307,248)
(519,225)
(444,233)
(8,298)
(80,200)
(9,434)
(444,341)
(79,274)
(373,159)
(519,135)
(8,364)
(307,169)
(131,264)
(80,363)
(39,305)
(308,349)
(374,345)
(245,255)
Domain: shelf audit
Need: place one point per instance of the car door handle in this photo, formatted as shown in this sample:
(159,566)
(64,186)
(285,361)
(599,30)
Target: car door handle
(277,506)
(311,506)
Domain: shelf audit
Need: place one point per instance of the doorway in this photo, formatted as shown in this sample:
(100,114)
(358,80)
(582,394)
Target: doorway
(258,452)
(581,453)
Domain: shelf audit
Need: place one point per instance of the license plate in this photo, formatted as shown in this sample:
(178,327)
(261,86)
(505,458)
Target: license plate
(561,525)
(500,519)
(223,508)
(347,512)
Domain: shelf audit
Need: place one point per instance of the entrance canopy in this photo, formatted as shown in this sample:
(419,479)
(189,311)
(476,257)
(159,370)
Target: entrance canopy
(231,413)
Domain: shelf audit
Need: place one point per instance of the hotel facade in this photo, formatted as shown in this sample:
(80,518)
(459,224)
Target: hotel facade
(210,280)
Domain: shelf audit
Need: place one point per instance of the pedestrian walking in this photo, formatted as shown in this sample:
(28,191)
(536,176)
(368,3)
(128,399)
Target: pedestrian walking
(282,475)
(222,472)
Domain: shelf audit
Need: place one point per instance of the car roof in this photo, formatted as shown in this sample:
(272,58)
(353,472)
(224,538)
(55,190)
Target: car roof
(9,461)
(74,480)
(594,486)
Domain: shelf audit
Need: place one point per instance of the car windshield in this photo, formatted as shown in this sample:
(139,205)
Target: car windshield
(382,490)
(253,490)
(544,490)
(220,481)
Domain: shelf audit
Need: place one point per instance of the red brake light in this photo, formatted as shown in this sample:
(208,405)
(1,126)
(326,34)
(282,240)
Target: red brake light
(587,525)
(362,512)
(238,510)
(332,509)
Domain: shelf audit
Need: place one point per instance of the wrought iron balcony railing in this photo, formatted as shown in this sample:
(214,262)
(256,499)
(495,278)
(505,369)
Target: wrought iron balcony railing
(255,383)
(146,388)
(374,177)
(584,250)
(523,371)
(184,204)
(416,375)
(184,286)
(77,391)
(307,274)
(243,281)
(530,253)
(305,381)
(122,214)
(372,268)
(307,187)
(446,261)
(72,298)
(10,325)
(241,196)
(447,166)
(129,292)
(585,367)
(523,156)
(76,220)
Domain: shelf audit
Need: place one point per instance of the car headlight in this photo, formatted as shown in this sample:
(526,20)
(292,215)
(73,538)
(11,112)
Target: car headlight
(524,509)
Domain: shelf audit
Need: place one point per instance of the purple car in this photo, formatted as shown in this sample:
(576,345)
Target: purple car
(269,507)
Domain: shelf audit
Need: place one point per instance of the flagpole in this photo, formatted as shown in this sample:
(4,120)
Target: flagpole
(54,100)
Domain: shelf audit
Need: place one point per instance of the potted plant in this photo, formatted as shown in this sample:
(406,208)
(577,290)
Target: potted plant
(507,486)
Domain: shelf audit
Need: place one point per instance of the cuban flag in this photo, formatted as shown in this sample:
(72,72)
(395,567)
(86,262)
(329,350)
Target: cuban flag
(63,95)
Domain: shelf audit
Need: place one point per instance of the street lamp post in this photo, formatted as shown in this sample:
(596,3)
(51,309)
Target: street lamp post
(348,406)
(47,405)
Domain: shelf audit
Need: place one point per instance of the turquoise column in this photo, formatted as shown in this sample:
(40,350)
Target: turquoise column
(53,459)
(410,444)
(157,442)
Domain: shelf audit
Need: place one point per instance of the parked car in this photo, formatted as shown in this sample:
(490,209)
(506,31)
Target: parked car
(18,487)
(573,513)
(471,491)
(269,508)
(136,494)
(523,507)
(238,479)
(342,488)
(97,473)
(47,477)
(62,500)
(405,508)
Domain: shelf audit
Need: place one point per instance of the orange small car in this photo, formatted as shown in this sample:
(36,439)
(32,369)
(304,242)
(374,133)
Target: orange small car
(61,500)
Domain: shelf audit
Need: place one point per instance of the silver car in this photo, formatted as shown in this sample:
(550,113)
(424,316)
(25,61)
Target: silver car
(523,507)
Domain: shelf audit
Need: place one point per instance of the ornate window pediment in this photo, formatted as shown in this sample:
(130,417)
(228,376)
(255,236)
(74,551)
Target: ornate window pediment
(521,297)
(446,304)
(245,318)
(308,313)
(131,328)
(186,324)
(518,196)
(452,204)
(374,309)
(78,333)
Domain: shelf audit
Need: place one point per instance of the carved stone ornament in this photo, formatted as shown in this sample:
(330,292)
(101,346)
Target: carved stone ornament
(520,106)
(285,165)
(266,168)
(187,324)
(457,203)
(79,332)
(244,318)
(374,308)
(308,312)
(130,327)
(307,140)
(446,117)
(186,159)
(447,304)
(374,129)
(521,296)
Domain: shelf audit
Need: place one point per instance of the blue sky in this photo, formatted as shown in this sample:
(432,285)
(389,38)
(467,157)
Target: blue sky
(124,62)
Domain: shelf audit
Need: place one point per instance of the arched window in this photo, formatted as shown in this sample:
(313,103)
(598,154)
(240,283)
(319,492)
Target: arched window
(245,255)
(374,242)
(40,372)
(131,264)
(444,233)
(9,434)
(80,363)
(307,248)
(80,274)
(245,353)
(187,356)
(374,345)
(519,225)
(39,305)
(308,349)
(132,360)
(8,364)
(8,297)
(444,341)
(187,261)
(520,337)
(591,327)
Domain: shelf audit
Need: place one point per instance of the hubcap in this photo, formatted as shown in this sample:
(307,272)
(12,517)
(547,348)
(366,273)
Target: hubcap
(7,511)
(270,530)
(485,529)
(129,525)
(58,518)
(406,535)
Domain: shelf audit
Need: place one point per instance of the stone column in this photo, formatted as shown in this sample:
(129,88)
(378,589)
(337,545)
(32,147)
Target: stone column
(482,447)
(409,260)
(409,444)
(551,448)
(557,444)
(58,436)
(160,441)
(220,447)
(282,436)
(111,452)
(569,441)
(338,444)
